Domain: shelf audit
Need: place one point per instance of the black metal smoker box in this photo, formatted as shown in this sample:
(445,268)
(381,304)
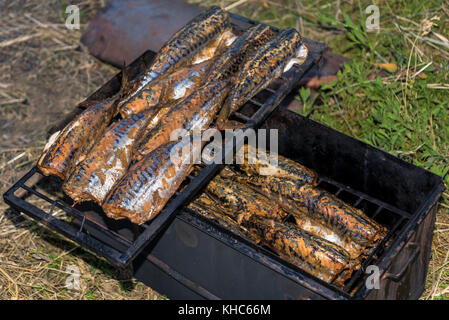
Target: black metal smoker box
(184,256)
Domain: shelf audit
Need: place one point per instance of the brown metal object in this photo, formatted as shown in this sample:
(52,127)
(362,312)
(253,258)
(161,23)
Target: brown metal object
(123,30)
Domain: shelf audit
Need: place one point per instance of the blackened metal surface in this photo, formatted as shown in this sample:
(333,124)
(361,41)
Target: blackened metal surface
(352,162)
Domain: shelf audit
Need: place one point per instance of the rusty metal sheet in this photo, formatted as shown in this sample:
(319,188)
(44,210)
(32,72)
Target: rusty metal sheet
(124,29)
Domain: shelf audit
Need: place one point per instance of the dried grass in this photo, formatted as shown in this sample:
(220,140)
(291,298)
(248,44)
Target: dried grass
(44,73)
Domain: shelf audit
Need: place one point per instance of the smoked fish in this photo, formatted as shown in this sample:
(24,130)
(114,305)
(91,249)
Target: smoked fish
(231,59)
(319,205)
(205,206)
(107,161)
(66,148)
(256,161)
(242,201)
(148,185)
(259,69)
(343,217)
(166,90)
(315,255)
(195,112)
(182,46)
(214,48)
(178,84)
(300,213)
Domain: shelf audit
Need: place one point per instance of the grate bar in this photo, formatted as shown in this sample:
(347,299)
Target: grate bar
(366,197)
(241,116)
(270,90)
(379,209)
(74,213)
(257,103)
(358,202)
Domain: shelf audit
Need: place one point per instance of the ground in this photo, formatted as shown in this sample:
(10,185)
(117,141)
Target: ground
(393,95)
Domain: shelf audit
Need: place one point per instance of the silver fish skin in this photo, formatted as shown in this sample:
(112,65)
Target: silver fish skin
(259,69)
(196,112)
(231,59)
(107,162)
(182,46)
(150,183)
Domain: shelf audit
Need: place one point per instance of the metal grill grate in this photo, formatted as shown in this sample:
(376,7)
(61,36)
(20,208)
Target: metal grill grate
(392,218)
(148,231)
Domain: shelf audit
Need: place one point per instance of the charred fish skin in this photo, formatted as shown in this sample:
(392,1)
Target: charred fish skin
(166,90)
(107,162)
(196,111)
(256,161)
(315,255)
(207,208)
(347,219)
(259,69)
(229,62)
(143,192)
(349,223)
(184,44)
(76,139)
(180,83)
(214,48)
(241,200)
(183,84)
(317,228)
(302,217)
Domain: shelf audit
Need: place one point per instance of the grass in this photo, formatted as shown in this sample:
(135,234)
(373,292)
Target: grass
(39,60)
(403,112)
(400,112)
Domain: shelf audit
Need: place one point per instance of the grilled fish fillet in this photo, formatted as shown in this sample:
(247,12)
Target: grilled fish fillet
(242,201)
(68,147)
(182,46)
(259,69)
(343,217)
(315,255)
(196,112)
(142,193)
(257,161)
(107,162)
(180,83)
(300,214)
(230,60)
(207,207)
(214,48)
(166,90)
(349,223)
